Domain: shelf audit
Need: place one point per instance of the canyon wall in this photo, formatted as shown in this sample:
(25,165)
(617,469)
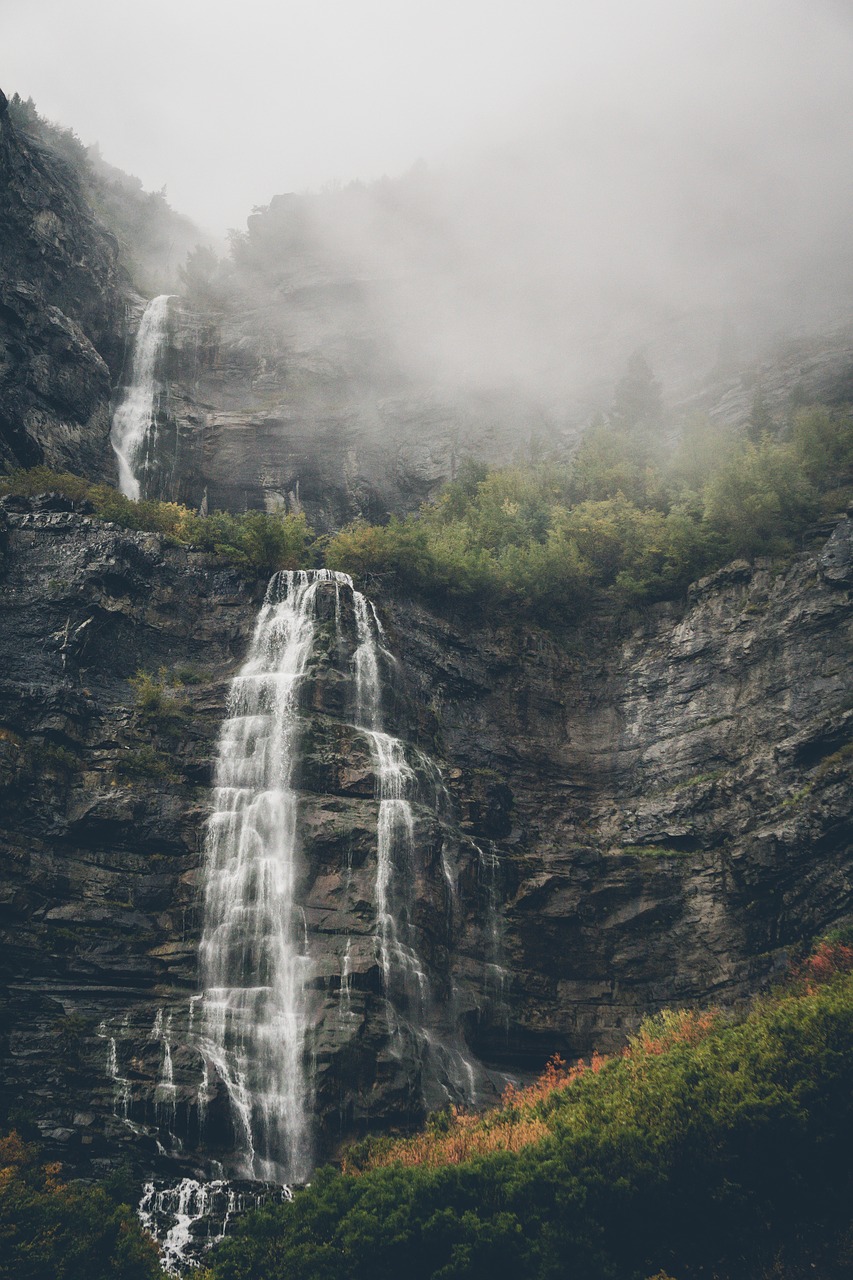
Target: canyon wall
(646,812)
(62,311)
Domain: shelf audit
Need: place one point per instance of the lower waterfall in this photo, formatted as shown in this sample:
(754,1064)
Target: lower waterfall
(253,961)
(272,990)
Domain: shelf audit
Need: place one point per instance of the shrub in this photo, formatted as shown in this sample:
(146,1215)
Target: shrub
(144,762)
(157,700)
(709,1144)
(255,540)
(759,500)
(823,439)
(55,1230)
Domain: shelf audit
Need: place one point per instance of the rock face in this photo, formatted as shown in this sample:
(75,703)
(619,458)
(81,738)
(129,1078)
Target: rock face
(61,314)
(647,814)
(670,806)
(295,386)
(296,402)
(295,406)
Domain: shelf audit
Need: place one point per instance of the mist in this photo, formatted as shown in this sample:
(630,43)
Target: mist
(488,198)
(691,178)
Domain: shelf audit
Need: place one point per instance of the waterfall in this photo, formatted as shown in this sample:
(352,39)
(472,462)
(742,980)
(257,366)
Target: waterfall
(189,1216)
(253,956)
(255,964)
(318,664)
(134,416)
(403,973)
(495,973)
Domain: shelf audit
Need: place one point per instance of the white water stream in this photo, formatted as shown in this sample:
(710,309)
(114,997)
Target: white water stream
(253,1022)
(253,958)
(134,416)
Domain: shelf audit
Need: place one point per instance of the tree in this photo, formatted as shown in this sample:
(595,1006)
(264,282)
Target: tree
(637,399)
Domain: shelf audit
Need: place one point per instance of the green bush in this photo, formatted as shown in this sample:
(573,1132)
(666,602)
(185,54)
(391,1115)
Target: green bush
(400,547)
(256,540)
(760,499)
(53,1230)
(823,439)
(710,1146)
(157,700)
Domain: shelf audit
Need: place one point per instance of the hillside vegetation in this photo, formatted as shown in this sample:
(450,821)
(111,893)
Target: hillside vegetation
(629,519)
(51,1229)
(709,1147)
(256,541)
(626,521)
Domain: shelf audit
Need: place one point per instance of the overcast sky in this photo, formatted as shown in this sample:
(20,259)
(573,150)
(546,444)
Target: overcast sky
(227,104)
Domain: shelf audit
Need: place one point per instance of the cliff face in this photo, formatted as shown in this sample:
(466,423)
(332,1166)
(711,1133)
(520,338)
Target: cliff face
(671,805)
(649,814)
(295,400)
(292,384)
(61,313)
(295,405)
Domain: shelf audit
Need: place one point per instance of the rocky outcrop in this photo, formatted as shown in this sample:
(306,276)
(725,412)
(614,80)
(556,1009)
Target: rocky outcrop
(61,314)
(297,406)
(652,811)
(674,800)
(104,804)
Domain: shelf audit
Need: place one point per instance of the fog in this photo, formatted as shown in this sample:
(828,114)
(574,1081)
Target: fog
(687,181)
(586,179)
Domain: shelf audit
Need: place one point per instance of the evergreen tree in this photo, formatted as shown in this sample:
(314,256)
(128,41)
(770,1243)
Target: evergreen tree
(637,399)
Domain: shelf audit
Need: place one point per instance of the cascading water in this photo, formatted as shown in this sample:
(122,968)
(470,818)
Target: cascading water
(261,1021)
(405,981)
(253,959)
(134,416)
(188,1217)
(403,974)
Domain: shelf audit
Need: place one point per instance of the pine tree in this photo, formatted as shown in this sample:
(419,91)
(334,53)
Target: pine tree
(637,398)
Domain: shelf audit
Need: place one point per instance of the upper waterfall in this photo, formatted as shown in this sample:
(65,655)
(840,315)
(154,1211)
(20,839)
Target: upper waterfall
(134,415)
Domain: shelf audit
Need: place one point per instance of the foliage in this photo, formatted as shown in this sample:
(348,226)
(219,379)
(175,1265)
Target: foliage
(823,439)
(707,1144)
(611,460)
(621,523)
(652,851)
(399,547)
(53,1230)
(255,540)
(206,280)
(156,697)
(760,499)
(144,762)
(163,709)
(265,542)
(47,757)
(637,398)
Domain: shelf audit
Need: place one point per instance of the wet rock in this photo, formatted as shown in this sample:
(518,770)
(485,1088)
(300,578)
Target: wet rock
(836,559)
(654,815)
(61,314)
